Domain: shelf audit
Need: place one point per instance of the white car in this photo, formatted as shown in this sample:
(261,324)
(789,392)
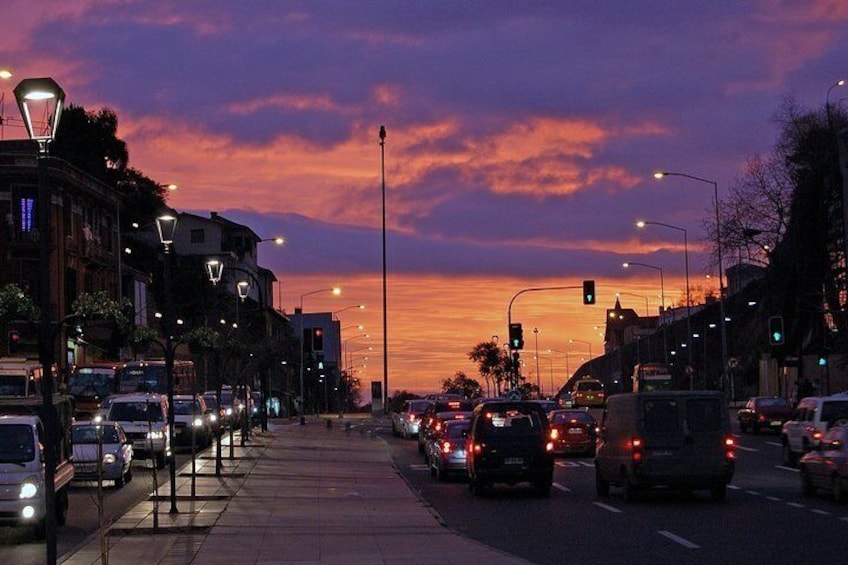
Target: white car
(107,439)
(192,417)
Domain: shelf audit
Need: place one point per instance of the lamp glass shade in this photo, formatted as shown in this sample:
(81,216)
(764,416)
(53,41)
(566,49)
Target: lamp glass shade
(40,101)
(167,226)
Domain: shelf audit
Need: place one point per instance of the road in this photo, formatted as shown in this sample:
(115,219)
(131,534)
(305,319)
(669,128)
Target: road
(764,519)
(18,547)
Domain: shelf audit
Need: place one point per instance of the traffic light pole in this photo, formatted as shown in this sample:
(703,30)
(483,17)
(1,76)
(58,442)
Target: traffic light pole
(513,351)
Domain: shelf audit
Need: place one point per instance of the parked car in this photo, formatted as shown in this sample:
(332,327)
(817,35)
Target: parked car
(813,416)
(445,405)
(144,418)
(677,439)
(764,413)
(573,431)
(436,425)
(106,439)
(215,415)
(826,467)
(191,416)
(509,442)
(405,422)
(446,449)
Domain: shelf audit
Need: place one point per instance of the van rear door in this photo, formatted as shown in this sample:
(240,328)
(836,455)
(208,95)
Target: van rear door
(662,426)
(703,445)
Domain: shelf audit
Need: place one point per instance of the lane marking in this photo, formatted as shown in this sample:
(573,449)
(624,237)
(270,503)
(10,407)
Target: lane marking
(844,518)
(795,505)
(785,468)
(607,507)
(563,488)
(675,538)
(419,467)
(774,499)
(774,443)
(571,464)
(753,493)
(820,512)
(734,487)
(587,464)
(746,448)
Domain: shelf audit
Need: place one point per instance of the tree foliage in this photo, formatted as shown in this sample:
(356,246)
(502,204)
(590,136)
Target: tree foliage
(461,384)
(492,363)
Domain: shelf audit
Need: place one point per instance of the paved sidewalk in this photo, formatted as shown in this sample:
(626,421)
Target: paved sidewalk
(294,494)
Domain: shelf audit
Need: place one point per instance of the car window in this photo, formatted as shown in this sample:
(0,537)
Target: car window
(565,417)
(135,412)
(510,422)
(455,431)
(773,402)
(833,410)
(703,414)
(661,415)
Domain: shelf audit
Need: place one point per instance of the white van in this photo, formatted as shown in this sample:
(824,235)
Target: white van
(144,417)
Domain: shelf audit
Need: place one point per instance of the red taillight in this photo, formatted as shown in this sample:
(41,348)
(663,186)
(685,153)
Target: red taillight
(728,448)
(446,447)
(554,433)
(761,417)
(478,448)
(636,445)
(817,435)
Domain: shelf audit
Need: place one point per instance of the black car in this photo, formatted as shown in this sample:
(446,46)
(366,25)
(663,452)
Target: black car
(437,406)
(509,442)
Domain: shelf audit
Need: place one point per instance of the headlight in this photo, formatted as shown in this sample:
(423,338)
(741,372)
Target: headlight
(229,411)
(29,488)
(155,435)
(213,418)
(198,422)
(109,458)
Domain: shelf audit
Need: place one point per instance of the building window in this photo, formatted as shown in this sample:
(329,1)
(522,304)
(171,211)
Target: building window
(198,236)
(26,215)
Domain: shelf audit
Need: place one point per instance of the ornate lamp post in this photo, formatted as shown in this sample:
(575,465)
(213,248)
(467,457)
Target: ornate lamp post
(47,98)
(167,226)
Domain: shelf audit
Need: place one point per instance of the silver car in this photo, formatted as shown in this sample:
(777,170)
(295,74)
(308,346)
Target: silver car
(108,439)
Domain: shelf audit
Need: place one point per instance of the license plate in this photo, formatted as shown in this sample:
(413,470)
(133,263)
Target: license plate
(87,468)
(776,423)
(513,461)
(661,453)
(575,431)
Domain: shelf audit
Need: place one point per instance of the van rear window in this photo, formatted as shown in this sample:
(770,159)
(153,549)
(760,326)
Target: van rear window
(703,414)
(511,422)
(661,415)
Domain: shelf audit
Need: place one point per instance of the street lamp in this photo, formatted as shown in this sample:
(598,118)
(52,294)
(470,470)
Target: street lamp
(840,82)
(166,225)
(385,313)
(538,380)
(46,95)
(584,342)
(641,224)
(334,290)
(642,296)
(721,320)
(359,306)
(629,264)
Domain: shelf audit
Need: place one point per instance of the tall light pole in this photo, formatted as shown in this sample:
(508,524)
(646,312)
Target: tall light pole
(840,82)
(589,343)
(538,379)
(47,98)
(334,290)
(627,265)
(167,226)
(641,224)
(385,312)
(721,320)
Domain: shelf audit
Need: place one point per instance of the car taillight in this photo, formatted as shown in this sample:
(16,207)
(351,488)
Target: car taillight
(761,417)
(728,447)
(636,445)
(446,447)
(478,448)
(411,417)
(554,433)
(549,446)
(817,435)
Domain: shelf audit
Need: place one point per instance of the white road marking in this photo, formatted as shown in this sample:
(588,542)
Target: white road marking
(753,493)
(734,487)
(587,464)
(566,464)
(746,448)
(785,468)
(675,538)
(795,504)
(419,467)
(774,443)
(607,507)
(774,499)
(844,518)
(563,488)
(821,512)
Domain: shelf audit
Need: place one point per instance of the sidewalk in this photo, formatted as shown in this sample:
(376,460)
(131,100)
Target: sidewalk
(294,494)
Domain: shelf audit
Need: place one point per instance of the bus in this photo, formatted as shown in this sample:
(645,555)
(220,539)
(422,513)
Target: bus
(149,376)
(90,384)
(649,377)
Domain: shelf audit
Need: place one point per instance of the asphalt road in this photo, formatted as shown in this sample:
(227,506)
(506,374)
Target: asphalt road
(765,518)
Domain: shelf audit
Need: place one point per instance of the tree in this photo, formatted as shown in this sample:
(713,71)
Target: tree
(395,401)
(461,384)
(492,363)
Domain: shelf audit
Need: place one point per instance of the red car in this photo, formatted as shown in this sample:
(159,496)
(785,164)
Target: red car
(764,413)
(573,431)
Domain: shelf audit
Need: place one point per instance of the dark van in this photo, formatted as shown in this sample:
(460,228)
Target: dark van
(678,439)
(509,442)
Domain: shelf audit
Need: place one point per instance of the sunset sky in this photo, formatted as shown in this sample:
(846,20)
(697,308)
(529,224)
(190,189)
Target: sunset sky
(522,138)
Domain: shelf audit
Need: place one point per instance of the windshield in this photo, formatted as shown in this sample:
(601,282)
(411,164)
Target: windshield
(12,385)
(510,422)
(184,407)
(589,386)
(135,412)
(16,444)
(773,403)
(91,383)
(210,401)
(566,417)
(88,434)
(833,410)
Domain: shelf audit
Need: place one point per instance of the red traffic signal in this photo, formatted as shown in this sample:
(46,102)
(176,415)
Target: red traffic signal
(14,341)
(318,339)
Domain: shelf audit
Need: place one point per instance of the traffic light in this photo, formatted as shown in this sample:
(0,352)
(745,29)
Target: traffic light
(589,292)
(14,341)
(318,339)
(308,339)
(516,336)
(775,329)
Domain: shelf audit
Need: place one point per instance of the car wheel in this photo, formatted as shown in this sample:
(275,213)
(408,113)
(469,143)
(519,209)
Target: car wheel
(129,475)
(840,422)
(718,493)
(602,486)
(630,489)
(476,486)
(788,456)
(420,447)
(807,488)
(543,487)
(120,481)
(160,460)
(61,507)
(39,530)
(743,428)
